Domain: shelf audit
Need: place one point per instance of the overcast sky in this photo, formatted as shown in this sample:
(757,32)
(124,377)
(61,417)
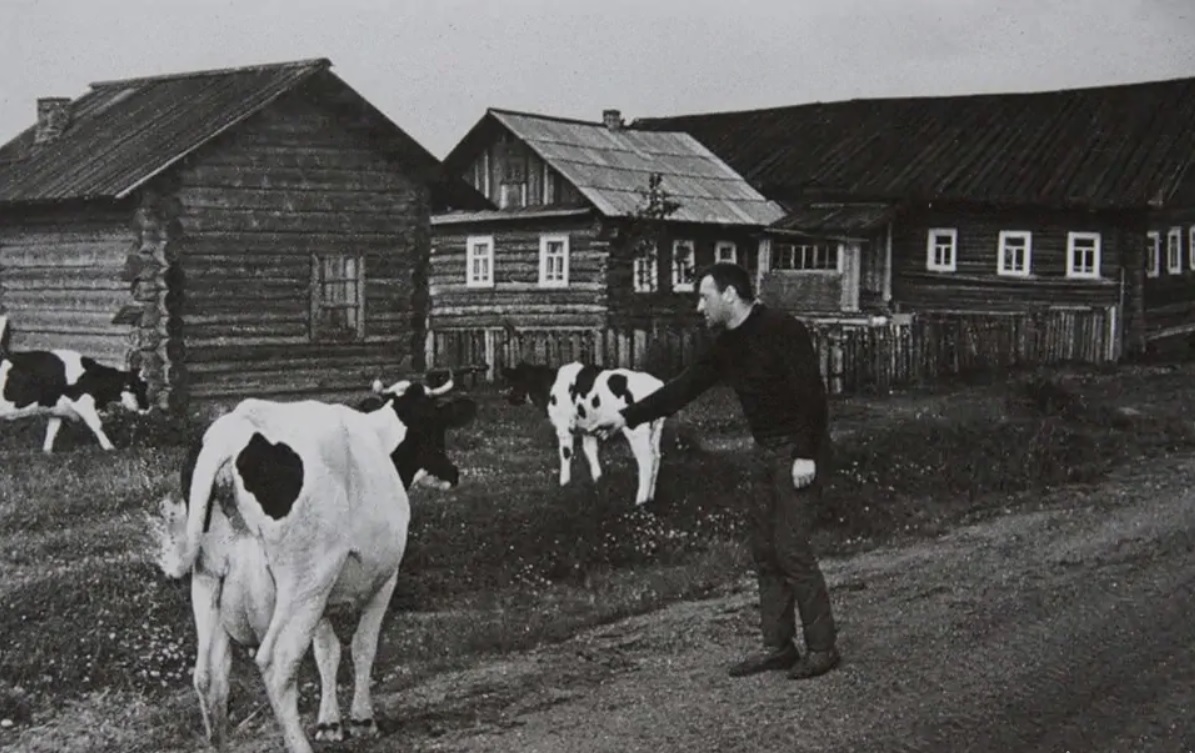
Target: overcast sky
(433,66)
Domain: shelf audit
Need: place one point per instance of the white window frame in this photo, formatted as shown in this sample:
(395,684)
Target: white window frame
(1097,261)
(544,241)
(1002,265)
(471,255)
(1191,247)
(678,285)
(930,247)
(652,262)
(722,246)
(1153,250)
(1174,251)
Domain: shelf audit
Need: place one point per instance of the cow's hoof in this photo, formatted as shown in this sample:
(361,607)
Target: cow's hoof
(363,728)
(329,731)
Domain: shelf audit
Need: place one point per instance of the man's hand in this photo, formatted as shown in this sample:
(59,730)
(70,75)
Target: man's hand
(614,423)
(804,472)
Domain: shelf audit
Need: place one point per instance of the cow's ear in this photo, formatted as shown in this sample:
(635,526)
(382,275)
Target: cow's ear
(458,413)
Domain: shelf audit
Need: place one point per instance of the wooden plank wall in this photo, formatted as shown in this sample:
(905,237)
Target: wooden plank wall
(60,280)
(629,308)
(1170,297)
(853,358)
(516,299)
(256,207)
(975,285)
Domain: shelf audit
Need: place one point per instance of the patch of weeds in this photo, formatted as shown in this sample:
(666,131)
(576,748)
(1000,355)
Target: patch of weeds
(101,626)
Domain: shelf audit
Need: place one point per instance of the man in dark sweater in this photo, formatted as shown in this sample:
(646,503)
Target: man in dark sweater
(768,358)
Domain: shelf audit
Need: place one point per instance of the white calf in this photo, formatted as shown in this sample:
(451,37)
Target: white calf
(576,396)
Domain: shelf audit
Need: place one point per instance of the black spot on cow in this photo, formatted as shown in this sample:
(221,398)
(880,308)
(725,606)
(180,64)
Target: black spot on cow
(567,452)
(35,377)
(584,382)
(597,401)
(552,400)
(581,412)
(271,472)
(103,383)
(619,388)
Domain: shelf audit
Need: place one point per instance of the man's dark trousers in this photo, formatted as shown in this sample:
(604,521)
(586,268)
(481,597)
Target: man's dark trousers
(781,520)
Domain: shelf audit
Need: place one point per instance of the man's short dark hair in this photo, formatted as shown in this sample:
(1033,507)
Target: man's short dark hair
(728,274)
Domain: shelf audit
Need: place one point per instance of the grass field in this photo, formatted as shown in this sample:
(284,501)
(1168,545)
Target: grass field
(509,559)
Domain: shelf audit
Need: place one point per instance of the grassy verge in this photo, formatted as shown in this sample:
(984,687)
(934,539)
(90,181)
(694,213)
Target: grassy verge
(509,560)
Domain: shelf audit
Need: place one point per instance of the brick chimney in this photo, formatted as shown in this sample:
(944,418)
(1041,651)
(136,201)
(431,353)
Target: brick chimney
(53,117)
(612,119)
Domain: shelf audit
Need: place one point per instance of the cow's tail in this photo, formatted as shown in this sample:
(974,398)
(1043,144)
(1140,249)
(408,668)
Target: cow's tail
(180,524)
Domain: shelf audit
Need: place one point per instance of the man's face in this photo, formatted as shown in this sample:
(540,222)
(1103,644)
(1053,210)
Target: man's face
(712,303)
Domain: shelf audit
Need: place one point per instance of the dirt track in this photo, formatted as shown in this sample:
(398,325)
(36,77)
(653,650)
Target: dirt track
(1063,629)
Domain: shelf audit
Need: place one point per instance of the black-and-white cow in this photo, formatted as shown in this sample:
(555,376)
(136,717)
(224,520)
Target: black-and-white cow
(576,396)
(65,384)
(290,508)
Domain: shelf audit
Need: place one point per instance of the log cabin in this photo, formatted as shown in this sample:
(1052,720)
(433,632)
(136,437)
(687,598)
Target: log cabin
(991,203)
(256,231)
(557,253)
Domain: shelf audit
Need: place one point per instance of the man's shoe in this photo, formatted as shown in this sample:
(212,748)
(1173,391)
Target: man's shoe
(781,658)
(815,663)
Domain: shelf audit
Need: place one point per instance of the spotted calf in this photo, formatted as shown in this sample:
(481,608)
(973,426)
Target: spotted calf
(65,384)
(576,396)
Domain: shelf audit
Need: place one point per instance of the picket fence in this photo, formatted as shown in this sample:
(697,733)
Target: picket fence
(854,358)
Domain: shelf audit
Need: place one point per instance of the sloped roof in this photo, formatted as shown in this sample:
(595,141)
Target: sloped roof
(611,168)
(1128,145)
(835,219)
(123,133)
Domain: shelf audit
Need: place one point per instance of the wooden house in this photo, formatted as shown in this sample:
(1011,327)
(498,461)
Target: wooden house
(993,203)
(557,253)
(250,231)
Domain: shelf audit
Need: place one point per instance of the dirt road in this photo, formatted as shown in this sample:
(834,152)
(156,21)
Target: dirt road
(1067,628)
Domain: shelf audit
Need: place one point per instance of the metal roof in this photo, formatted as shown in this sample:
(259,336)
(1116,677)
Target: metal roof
(123,133)
(1129,145)
(611,168)
(837,219)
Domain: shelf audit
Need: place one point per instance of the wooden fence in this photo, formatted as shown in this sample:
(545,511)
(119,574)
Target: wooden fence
(853,357)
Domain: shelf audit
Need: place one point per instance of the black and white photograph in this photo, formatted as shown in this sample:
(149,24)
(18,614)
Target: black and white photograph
(597,376)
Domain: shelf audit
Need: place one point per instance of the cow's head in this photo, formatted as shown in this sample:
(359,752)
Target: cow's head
(421,456)
(134,393)
(529,383)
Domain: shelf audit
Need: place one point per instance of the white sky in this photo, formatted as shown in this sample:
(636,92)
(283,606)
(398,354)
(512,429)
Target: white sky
(433,66)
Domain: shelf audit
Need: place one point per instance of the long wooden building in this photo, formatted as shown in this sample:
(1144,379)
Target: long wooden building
(1078,199)
(250,231)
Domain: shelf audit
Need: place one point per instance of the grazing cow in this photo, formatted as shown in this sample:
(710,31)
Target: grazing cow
(290,509)
(576,397)
(64,384)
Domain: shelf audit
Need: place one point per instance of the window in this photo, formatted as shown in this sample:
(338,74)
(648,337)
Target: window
(1083,255)
(727,251)
(1015,252)
(645,271)
(553,261)
(684,265)
(941,249)
(479,262)
(1153,251)
(805,256)
(337,297)
(1174,251)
